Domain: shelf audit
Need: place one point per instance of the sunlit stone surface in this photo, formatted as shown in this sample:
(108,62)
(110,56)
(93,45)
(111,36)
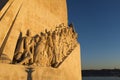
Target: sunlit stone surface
(60,57)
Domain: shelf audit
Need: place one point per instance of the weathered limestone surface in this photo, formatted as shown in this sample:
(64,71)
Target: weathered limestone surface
(36,15)
(42,14)
(12,72)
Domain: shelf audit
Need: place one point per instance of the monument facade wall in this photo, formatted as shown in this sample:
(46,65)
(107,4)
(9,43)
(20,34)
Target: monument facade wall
(39,15)
(36,15)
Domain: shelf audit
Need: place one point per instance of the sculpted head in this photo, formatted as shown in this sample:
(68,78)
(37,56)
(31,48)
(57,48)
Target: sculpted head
(37,38)
(28,33)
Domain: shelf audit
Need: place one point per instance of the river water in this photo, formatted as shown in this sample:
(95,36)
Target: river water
(101,78)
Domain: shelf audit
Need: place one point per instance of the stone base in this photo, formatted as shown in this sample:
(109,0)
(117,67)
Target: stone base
(70,69)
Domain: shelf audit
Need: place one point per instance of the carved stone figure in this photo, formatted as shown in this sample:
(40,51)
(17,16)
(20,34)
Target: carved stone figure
(28,49)
(56,51)
(47,49)
(19,51)
(73,36)
(37,40)
(63,44)
(41,58)
(50,48)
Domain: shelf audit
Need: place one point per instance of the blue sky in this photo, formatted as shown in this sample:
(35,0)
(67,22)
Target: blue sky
(98,24)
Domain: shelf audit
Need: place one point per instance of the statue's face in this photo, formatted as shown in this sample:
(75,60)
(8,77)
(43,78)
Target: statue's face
(28,33)
(2,3)
(37,39)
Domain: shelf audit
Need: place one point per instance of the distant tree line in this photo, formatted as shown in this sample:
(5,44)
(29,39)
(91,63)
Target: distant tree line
(100,73)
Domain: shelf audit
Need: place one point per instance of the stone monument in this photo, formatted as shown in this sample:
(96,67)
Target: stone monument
(36,43)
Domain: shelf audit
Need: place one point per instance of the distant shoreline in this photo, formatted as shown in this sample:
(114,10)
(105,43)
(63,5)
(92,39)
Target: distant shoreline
(101,73)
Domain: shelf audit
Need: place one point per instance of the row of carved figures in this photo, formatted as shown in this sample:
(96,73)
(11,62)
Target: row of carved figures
(46,49)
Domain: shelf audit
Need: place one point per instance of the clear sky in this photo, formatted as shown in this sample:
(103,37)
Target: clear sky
(98,24)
